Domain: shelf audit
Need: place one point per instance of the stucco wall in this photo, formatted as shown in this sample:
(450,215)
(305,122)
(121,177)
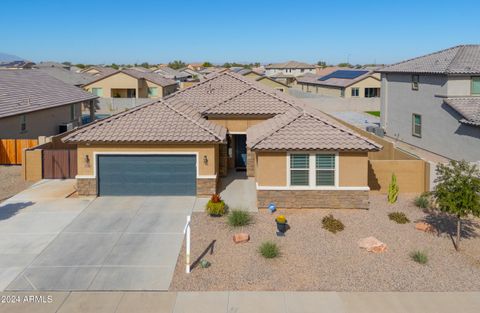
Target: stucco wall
(236,125)
(271,169)
(273,84)
(442,133)
(294,72)
(210,151)
(117,81)
(39,123)
(368,82)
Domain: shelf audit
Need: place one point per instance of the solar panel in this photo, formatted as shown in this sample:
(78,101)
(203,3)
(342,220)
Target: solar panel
(344,74)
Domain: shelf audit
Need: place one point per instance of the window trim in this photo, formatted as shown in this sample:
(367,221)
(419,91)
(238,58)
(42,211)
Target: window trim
(413,125)
(151,95)
(312,171)
(97,89)
(358,92)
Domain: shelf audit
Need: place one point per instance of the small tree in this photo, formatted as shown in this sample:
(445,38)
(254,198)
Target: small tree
(207,64)
(458,191)
(393,190)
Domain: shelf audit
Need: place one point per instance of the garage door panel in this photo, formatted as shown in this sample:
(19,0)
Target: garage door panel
(147,174)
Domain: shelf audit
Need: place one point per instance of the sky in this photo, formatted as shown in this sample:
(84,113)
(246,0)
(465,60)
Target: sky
(359,32)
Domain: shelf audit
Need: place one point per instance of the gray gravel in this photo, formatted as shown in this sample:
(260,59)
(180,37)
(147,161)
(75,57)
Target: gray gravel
(11,181)
(314,259)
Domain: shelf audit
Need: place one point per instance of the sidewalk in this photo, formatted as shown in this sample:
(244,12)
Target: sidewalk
(240,302)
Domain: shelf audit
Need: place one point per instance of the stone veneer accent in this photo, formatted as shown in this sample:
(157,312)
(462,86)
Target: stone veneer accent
(206,186)
(250,163)
(310,199)
(87,186)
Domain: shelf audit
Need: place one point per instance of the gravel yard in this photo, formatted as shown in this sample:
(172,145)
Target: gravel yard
(11,181)
(314,259)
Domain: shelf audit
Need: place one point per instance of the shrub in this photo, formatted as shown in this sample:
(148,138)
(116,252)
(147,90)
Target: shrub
(216,207)
(399,217)
(419,257)
(422,201)
(332,224)
(269,250)
(239,218)
(393,190)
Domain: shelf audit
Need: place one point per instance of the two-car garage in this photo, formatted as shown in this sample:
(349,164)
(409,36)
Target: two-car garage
(146,174)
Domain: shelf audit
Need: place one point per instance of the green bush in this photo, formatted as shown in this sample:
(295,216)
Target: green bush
(422,201)
(419,257)
(399,217)
(238,218)
(269,250)
(393,190)
(215,208)
(332,224)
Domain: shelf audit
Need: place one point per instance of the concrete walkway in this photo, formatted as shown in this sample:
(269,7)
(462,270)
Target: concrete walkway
(239,191)
(240,302)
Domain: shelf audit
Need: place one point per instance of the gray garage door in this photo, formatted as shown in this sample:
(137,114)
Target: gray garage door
(146,175)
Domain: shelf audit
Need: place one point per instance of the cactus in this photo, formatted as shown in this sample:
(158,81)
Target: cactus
(393,190)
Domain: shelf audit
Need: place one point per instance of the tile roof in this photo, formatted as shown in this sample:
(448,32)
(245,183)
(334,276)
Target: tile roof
(155,122)
(290,64)
(468,107)
(464,59)
(305,129)
(332,82)
(152,77)
(67,76)
(23,91)
(226,93)
(171,73)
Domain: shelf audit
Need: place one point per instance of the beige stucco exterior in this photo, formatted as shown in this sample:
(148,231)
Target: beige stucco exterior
(236,125)
(40,123)
(273,84)
(208,150)
(271,169)
(116,85)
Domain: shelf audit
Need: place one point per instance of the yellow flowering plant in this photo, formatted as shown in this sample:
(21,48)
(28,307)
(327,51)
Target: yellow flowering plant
(281,219)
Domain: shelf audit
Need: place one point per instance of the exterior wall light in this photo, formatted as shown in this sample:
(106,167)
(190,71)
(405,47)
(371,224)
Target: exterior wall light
(205,160)
(86,159)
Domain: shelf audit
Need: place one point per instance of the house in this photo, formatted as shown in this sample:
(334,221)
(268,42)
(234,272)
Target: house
(129,83)
(98,71)
(263,79)
(290,68)
(170,73)
(49,64)
(433,102)
(342,83)
(66,75)
(34,104)
(195,66)
(14,65)
(227,125)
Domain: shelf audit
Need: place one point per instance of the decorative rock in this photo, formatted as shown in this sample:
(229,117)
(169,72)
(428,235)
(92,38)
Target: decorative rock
(423,226)
(372,244)
(241,237)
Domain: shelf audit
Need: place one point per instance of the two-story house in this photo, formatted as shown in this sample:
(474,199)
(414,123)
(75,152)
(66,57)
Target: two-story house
(288,71)
(433,102)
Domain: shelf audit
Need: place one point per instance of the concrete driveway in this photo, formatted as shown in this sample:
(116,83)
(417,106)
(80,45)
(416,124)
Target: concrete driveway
(107,243)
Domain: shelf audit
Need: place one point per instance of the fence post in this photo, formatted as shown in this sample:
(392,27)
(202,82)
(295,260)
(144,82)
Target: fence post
(187,245)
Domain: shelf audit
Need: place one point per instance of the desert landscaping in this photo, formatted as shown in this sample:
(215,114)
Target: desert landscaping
(312,258)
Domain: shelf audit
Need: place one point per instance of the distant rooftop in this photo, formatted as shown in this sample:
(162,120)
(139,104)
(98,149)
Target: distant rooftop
(339,78)
(464,59)
(290,64)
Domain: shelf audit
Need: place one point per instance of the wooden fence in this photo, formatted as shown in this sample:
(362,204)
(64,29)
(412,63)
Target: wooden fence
(59,163)
(11,150)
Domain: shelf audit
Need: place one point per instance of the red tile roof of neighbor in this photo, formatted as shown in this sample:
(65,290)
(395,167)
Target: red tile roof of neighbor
(180,117)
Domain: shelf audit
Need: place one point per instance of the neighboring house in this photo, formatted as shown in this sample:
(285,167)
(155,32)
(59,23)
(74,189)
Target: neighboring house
(433,102)
(322,71)
(67,76)
(195,74)
(263,79)
(50,64)
(342,83)
(195,66)
(129,83)
(98,71)
(290,68)
(34,104)
(170,73)
(15,65)
(185,143)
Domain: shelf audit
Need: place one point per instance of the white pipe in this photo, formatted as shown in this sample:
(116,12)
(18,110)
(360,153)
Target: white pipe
(187,245)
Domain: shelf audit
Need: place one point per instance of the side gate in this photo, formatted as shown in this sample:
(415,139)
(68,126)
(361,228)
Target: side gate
(59,163)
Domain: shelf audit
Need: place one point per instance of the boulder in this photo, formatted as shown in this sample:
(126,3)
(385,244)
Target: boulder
(372,244)
(425,227)
(241,237)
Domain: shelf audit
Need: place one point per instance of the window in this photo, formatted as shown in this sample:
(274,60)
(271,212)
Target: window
(97,91)
(417,125)
(342,92)
(415,80)
(302,70)
(313,170)
(23,123)
(73,112)
(355,92)
(299,169)
(152,92)
(372,92)
(325,169)
(475,86)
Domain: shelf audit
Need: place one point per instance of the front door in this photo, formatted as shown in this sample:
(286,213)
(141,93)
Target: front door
(240,151)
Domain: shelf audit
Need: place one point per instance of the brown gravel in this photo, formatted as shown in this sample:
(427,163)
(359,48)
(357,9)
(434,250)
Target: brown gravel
(11,181)
(314,259)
